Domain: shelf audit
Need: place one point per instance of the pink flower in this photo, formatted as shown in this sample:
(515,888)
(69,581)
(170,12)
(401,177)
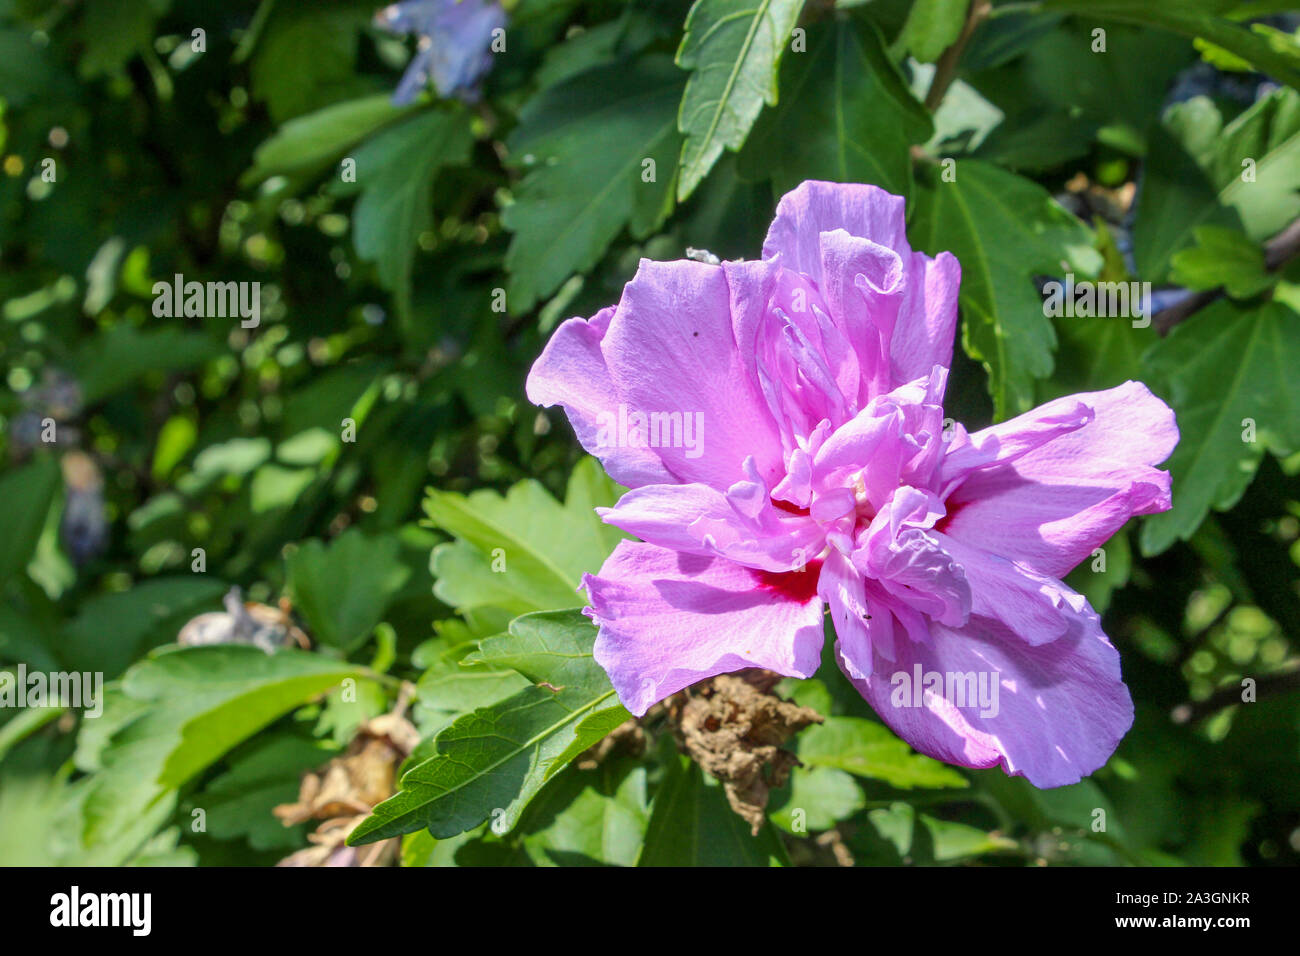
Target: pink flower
(780,425)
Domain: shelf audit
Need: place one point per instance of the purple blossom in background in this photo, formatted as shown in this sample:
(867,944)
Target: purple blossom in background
(454,46)
(819,472)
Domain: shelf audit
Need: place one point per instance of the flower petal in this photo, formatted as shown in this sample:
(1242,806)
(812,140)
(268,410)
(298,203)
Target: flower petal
(901,554)
(927,320)
(668,620)
(572,372)
(1059,712)
(1034,607)
(671,348)
(815,207)
(700,520)
(1049,508)
(844,591)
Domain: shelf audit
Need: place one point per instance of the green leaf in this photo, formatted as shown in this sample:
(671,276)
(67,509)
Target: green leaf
(305,53)
(585,146)
(733,49)
(691,824)
(1222,257)
(1098,352)
(582,818)
(28,493)
(238,803)
(28,828)
(1004,229)
(931,27)
(306,145)
(1225,365)
(489,764)
(925,839)
(114,31)
(117,357)
(451,686)
(868,749)
(818,799)
(1243,176)
(111,630)
(343,588)
(395,170)
(1176,198)
(25,69)
(845,115)
(524,551)
(1271,51)
(603,824)
(1266,197)
(175,714)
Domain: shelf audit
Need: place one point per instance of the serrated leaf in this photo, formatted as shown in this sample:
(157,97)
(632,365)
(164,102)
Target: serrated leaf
(395,171)
(733,49)
(845,115)
(1004,230)
(489,764)
(691,824)
(522,552)
(1176,198)
(1222,257)
(1198,173)
(865,748)
(1268,136)
(1224,365)
(584,145)
(177,713)
(343,588)
(450,686)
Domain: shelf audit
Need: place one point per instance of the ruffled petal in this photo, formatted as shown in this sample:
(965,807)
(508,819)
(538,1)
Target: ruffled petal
(1051,506)
(1008,441)
(844,591)
(572,372)
(1059,711)
(742,525)
(927,320)
(668,620)
(1034,607)
(815,207)
(901,554)
(670,348)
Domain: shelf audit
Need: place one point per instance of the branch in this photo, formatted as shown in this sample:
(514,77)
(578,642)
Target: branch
(945,70)
(1270,685)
